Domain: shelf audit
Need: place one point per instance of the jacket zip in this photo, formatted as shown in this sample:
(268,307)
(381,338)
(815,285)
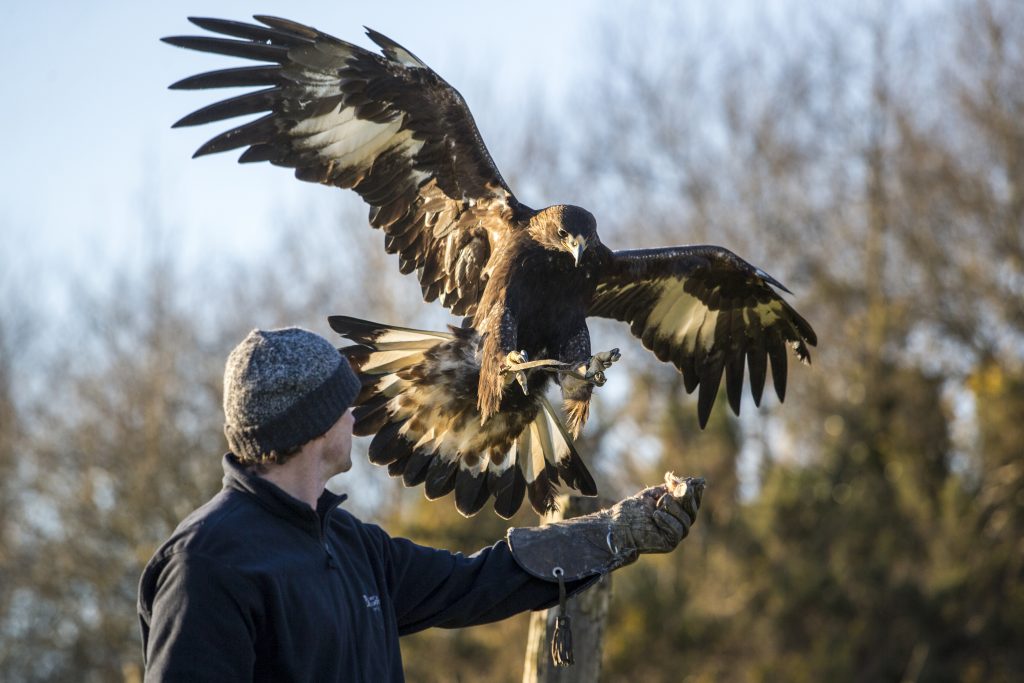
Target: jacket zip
(330,554)
(331,562)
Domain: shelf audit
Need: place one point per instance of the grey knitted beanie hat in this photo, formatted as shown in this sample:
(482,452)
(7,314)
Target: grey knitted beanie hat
(283,388)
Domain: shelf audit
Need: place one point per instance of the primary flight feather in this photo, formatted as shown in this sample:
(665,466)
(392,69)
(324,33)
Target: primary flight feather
(464,410)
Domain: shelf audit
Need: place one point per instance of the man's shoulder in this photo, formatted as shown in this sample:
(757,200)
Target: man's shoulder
(355,533)
(214,529)
(343,521)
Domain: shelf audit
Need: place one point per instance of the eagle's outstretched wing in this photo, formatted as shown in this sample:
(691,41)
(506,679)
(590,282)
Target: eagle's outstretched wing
(706,310)
(386,126)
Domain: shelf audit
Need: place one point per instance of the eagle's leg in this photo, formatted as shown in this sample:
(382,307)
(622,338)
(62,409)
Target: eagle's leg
(519,365)
(591,372)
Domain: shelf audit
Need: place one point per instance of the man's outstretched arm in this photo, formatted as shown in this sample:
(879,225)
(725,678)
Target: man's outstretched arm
(436,588)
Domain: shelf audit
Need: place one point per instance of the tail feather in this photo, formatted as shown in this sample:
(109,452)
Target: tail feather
(385,385)
(541,476)
(509,490)
(575,474)
(384,362)
(357,354)
(570,465)
(440,479)
(388,445)
(417,467)
(397,467)
(417,401)
(379,335)
(370,422)
(470,490)
(542,490)
(371,416)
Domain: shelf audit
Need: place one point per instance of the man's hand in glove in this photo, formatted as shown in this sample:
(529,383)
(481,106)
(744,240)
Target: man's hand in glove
(658,518)
(653,521)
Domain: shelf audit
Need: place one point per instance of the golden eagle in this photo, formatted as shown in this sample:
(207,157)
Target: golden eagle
(445,408)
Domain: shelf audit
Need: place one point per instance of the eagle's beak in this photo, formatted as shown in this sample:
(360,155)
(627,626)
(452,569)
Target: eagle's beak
(576,248)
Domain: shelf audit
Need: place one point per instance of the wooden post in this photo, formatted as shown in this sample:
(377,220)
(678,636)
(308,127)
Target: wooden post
(589,612)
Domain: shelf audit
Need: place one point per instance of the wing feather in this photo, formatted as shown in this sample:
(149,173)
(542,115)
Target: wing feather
(758,365)
(706,310)
(385,125)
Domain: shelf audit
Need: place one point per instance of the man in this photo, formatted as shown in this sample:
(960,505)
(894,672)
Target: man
(271,580)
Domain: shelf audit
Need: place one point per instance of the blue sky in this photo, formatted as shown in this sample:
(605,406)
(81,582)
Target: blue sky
(90,156)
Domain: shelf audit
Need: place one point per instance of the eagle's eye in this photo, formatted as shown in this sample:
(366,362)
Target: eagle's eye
(562,234)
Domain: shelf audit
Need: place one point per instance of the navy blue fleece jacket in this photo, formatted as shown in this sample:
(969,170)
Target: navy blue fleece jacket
(256,585)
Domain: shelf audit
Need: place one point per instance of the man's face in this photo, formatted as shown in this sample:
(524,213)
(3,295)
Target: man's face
(337,451)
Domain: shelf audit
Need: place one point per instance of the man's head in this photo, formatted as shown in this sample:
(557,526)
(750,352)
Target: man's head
(282,389)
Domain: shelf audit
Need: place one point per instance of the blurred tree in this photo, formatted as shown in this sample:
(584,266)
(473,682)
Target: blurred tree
(118,445)
(15,330)
(829,571)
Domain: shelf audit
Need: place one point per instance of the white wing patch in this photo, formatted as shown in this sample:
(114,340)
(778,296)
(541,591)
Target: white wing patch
(767,313)
(340,133)
(325,122)
(683,318)
(707,330)
(348,141)
(406,58)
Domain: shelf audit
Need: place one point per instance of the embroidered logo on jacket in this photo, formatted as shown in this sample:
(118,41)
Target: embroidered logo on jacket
(372,602)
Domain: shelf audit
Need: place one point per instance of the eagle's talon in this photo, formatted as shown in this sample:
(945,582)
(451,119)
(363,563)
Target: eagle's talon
(512,363)
(599,362)
(605,359)
(513,360)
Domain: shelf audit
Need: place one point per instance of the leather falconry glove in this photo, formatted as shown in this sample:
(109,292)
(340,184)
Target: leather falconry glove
(653,521)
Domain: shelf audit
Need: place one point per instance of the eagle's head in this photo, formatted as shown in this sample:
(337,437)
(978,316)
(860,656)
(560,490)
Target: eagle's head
(565,228)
